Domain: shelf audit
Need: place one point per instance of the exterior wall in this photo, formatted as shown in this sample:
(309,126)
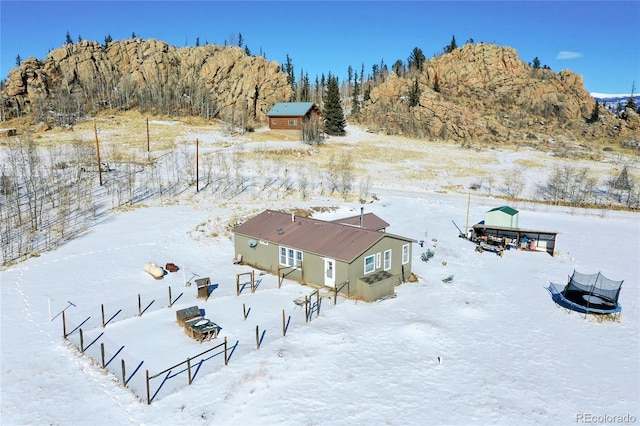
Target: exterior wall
(266,256)
(282,123)
(499,218)
(356,270)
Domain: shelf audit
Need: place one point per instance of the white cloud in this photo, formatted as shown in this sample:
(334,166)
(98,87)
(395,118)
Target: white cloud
(565,54)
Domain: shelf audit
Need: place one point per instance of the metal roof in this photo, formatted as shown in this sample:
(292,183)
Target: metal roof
(506,228)
(370,221)
(287,109)
(505,209)
(329,239)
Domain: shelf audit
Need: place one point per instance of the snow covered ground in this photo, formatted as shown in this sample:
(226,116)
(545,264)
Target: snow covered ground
(489,347)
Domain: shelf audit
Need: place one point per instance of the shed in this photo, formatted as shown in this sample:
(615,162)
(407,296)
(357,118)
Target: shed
(504,216)
(293,115)
(326,253)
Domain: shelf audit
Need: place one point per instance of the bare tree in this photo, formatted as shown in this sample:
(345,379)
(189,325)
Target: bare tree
(514,183)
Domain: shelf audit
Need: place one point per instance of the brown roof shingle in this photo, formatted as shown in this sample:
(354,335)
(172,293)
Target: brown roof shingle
(370,221)
(330,239)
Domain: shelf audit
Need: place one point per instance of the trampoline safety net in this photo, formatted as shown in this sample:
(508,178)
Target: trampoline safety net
(592,290)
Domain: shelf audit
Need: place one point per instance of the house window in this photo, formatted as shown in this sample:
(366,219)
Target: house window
(290,257)
(369,266)
(405,254)
(387,260)
(293,122)
(378,257)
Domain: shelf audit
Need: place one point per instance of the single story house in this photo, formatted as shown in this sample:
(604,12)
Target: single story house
(355,255)
(293,115)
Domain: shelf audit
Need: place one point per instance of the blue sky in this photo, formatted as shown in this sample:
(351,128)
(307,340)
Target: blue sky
(598,39)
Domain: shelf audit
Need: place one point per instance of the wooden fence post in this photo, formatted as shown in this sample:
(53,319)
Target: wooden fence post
(225,350)
(257,338)
(139,306)
(317,303)
(170,297)
(244,311)
(253,281)
(189,369)
(81,341)
(306,308)
(124,375)
(284,326)
(102,353)
(148,390)
(102,308)
(64,326)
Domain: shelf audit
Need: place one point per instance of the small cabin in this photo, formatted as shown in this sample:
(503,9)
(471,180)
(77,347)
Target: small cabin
(293,115)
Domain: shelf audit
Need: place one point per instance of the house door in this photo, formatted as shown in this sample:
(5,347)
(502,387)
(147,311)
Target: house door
(329,273)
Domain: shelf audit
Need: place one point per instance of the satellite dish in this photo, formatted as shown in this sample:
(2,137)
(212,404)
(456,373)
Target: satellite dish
(252,243)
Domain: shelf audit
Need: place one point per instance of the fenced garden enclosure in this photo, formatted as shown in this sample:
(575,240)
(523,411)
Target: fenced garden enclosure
(130,337)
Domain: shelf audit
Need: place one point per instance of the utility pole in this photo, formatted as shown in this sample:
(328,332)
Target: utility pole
(95,131)
(147,135)
(197,175)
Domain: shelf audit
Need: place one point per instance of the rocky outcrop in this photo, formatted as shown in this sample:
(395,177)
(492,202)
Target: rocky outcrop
(225,76)
(485,92)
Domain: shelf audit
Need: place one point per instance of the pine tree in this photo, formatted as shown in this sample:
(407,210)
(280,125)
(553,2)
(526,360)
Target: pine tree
(288,69)
(355,107)
(416,59)
(452,46)
(414,94)
(536,63)
(436,84)
(334,122)
(18,60)
(68,39)
(631,103)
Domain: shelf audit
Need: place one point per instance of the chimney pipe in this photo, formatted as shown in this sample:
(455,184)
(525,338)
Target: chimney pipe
(361,217)
(293,217)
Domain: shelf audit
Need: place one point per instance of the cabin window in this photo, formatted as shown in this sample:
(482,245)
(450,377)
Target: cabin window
(369,266)
(387,260)
(405,254)
(378,260)
(290,257)
(293,122)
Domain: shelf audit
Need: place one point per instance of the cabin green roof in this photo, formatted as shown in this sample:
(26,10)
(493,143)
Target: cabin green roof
(505,209)
(289,109)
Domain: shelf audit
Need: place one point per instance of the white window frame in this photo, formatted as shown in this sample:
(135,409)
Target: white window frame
(290,257)
(373,265)
(293,122)
(378,261)
(405,254)
(387,261)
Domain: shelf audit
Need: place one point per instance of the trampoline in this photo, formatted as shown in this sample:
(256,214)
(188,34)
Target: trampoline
(588,294)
